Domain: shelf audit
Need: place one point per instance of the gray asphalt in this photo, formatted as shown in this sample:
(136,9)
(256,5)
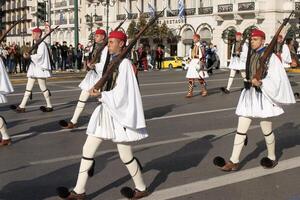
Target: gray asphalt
(177,152)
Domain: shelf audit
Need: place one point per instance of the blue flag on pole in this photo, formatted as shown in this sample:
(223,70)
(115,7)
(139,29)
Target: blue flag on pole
(181,9)
(151,9)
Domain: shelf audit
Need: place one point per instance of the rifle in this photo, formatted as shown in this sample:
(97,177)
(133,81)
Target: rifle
(10,28)
(35,46)
(98,52)
(264,60)
(247,84)
(116,62)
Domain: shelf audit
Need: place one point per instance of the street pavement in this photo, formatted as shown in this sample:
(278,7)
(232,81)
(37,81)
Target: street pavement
(185,136)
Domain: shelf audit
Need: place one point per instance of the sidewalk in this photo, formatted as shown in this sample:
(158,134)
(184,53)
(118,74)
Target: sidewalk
(21,78)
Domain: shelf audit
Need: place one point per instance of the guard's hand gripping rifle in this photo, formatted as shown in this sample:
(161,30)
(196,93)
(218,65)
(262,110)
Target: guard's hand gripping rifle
(116,62)
(35,46)
(97,54)
(9,29)
(264,60)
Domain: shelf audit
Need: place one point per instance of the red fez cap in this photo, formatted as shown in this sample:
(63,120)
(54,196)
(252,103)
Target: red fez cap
(100,32)
(37,30)
(258,33)
(238,33)
(197,36)
(118,35)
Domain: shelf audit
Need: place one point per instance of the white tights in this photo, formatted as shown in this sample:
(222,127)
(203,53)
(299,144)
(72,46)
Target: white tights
(89,149)
(84,95)
(29,86)
(232,75)
(3,129)
(240,137)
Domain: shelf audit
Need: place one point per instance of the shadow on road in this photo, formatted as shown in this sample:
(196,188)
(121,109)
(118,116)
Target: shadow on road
(187,157)
(287,136)
(44,186)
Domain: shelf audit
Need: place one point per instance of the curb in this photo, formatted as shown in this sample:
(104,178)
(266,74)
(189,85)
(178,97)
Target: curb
(52,79)
(294,70)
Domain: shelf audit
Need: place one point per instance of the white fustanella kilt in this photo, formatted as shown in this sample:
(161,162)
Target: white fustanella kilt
(194,71)
(104,126)
(236,64)
(89,80)
(256,104)
(37,72)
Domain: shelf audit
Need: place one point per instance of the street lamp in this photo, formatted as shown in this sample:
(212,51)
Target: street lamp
(91,19)
(107,3)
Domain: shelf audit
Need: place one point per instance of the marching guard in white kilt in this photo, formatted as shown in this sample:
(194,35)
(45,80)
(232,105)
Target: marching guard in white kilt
(5,88)
(92,76)
(39,69)
(260,99)
(237,61)
(119,118)
(196,68)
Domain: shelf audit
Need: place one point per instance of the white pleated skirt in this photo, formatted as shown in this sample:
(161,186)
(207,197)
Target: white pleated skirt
(256,104)
(236,64)
(37,72)
(104,126)
(89,80)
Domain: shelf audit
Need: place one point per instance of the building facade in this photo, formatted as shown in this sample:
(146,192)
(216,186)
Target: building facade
(214,20)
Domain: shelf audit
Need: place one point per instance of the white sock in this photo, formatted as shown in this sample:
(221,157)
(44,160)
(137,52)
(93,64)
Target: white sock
(3,129)
(89,149)
(80,106)
(28,92)
(231,77)
(46,93)
(132,165)
(266,127)
(243,126)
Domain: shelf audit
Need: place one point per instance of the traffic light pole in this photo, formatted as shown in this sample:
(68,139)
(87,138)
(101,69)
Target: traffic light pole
(76,27)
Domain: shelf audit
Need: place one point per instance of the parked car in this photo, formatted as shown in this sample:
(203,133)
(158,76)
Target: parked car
(172,62)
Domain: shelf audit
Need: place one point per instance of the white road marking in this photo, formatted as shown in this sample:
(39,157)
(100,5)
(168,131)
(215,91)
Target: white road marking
(218,133)
(152,119)
(52,91)
(224,180)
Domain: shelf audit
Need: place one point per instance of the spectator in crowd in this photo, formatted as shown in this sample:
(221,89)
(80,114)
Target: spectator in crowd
(11,58)
(71,56)
(86,56)
(159,56)
(64,55)
(55,49)
(79,55)
(142,58)
(25,62)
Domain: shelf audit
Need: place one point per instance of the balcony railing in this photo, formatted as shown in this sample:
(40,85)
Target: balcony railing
(98,18)
(146,14)
(161,15)
(132,15)
(297,6)
(246,6)
(71,21)
(60,4)
(205,10)
(59,22)
(225,8)
(121,16)
(190,11)
(172,13)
